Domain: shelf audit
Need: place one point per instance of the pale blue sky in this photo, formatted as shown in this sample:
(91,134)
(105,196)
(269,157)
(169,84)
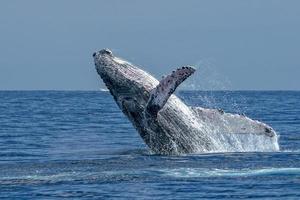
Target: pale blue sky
(49,44)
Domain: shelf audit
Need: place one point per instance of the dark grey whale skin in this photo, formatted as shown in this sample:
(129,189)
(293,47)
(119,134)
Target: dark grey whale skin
(176,128)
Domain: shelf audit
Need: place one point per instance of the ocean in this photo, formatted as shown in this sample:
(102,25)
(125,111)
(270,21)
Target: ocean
(76,144)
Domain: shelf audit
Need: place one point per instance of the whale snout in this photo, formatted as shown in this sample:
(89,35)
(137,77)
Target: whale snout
(103,52)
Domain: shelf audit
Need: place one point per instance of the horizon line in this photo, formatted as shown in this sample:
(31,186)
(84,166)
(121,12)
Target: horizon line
(181,90)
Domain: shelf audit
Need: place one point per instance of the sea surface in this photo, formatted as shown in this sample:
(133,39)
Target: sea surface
(71,145)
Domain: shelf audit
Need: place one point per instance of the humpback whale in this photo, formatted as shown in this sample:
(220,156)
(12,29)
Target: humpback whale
(166,124)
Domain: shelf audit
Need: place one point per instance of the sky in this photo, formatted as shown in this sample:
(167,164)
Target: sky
(235,45)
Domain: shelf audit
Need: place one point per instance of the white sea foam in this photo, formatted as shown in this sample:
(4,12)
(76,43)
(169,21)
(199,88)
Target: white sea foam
(204,172)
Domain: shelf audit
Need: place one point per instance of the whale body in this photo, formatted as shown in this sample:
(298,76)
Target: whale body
(166,124)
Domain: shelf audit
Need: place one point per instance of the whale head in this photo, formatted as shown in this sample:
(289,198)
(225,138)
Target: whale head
(129,85)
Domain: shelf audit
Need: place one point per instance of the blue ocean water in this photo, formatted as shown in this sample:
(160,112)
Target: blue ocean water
(59,145)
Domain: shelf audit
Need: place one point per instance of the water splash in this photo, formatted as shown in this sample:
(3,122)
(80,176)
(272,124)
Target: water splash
(209,78)
(224,131)
(227,132)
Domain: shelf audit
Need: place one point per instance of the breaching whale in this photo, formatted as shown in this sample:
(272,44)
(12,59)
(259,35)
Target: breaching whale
(166,124)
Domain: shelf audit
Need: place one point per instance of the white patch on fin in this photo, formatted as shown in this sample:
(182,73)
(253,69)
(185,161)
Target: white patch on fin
(161,93)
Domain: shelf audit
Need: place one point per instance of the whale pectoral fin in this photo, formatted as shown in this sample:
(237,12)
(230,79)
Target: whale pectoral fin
(161,93)
(232,123)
